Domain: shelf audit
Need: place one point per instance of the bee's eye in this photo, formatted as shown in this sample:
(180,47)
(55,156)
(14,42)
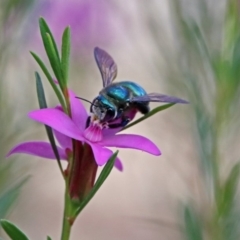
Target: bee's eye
(110,112)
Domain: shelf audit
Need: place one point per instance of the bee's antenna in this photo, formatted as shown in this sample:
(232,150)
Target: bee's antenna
(86,100)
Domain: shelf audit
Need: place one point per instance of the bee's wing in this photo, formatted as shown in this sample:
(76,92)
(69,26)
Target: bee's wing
(157,97)
(106,65)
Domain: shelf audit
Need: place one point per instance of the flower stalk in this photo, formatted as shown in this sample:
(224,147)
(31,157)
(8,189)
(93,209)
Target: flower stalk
(67,216)
(78,183)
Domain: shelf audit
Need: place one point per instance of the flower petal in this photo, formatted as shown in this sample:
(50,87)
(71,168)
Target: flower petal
(131,141)
(64,141)
(40,149)
(78,111)
(108,132)
(101,154)
(93,133)
(57,120)
(118,164)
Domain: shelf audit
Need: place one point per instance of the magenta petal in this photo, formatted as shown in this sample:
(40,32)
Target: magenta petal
(57,120)
(78,111)
(40,149)
(108,132)
(64,141)
(101,154)
(118,164)
(131,141)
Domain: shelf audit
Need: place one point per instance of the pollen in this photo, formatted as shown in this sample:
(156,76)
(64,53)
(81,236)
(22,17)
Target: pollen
(94,118)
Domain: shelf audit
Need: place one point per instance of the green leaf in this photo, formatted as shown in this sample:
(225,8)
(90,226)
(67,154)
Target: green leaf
(12,231)
(235,71)
(101,179)
(193,228)
(50,79)
(48,238)
(51,50)
(8,197)
(198,41)
(66,45)
(40,92)
(151,113)
(45,29)
(228,192)
(54,61)
(231,28)
(43,104)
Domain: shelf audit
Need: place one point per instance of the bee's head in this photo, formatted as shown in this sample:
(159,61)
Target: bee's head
(103,109)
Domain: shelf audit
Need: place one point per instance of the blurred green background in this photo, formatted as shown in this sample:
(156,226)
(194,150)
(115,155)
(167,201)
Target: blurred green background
(186,48)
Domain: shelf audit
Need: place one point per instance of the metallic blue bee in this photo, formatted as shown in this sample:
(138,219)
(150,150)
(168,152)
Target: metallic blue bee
(117,103)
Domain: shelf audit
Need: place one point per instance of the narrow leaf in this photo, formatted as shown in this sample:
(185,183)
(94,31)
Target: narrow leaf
(40,92)
(101,179)
(231,28)
(51,50)
(43,104)
(66,42)
(193,228)
(151,113)
(45,29)
(8,197)
(50,79)
(54,61)
(12,231)
(48,238)
(229,191)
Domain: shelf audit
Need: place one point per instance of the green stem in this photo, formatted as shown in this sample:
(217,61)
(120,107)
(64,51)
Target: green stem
(67,217)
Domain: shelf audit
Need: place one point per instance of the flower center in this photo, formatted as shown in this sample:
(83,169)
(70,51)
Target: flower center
(94,132)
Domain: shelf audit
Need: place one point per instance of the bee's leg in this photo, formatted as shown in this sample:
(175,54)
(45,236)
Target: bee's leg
(88,121)
(123,123)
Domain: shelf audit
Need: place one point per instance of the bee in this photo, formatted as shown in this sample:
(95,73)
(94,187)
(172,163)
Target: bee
(117,103)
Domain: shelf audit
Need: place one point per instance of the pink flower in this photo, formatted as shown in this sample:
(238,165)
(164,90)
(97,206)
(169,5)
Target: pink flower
(67,128)
(91,22)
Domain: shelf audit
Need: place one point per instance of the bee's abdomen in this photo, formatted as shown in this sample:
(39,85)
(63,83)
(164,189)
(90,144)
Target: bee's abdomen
(143,107)
(137,90)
